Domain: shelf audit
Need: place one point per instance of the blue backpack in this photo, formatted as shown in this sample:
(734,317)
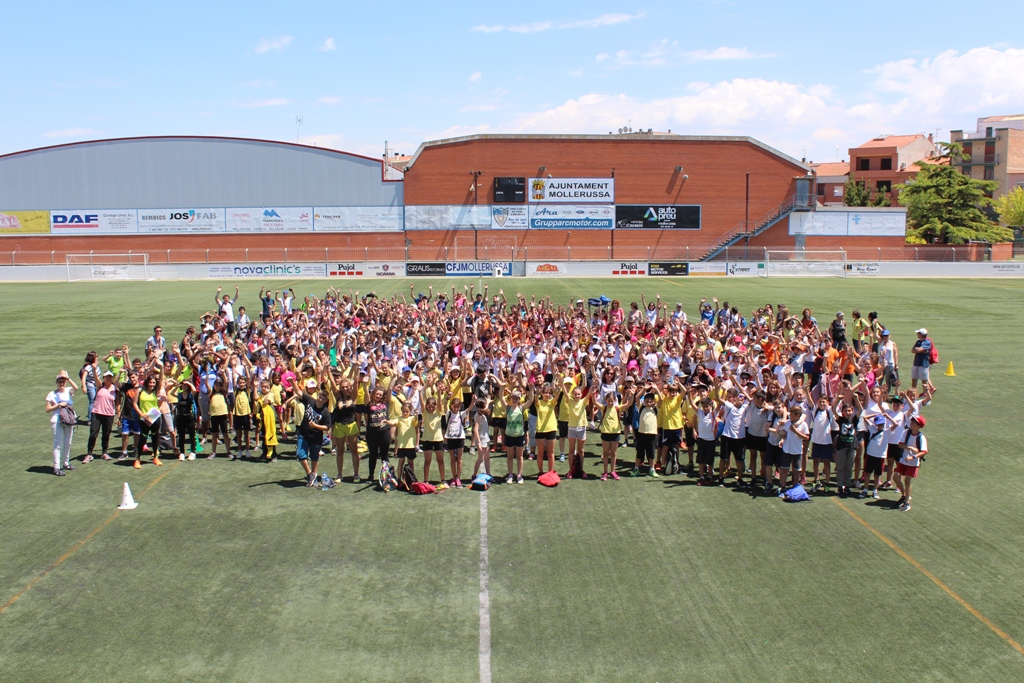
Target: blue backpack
(796,494)
(481,482)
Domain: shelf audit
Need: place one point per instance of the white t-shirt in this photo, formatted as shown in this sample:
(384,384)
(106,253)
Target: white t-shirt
(735,425)
(58,397)
(909,459)
(793,444)
(895,434)
(821,426)
(705,425)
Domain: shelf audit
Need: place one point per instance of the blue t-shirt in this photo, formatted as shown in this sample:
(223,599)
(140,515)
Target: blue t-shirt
(921,359)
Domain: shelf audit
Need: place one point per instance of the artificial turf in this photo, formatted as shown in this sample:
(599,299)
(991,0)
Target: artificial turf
(234,571)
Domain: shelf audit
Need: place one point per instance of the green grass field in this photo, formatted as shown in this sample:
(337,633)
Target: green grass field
(232,571)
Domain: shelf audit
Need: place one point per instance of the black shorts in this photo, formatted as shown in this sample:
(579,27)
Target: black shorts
(545,436)
(774,457)
(428,446)
(873,465)
(757,443)
(242,423)
(515,441)
(219,423)
(498,422)
(822,451)
(613,438)
(894,451)
(407,453)
(671,437)
(455,444)
(731,447)
(705,452)
(862,436)
(563,430)
(690,437)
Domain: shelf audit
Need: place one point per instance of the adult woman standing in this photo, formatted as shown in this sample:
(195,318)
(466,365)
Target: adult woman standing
(56,401)
(104,407)
(147,404)
(89,375)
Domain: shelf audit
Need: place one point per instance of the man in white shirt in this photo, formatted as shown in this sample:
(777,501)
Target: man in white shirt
(226,305)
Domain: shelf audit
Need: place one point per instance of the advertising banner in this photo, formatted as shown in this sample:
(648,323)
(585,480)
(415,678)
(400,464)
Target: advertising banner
(745,269)
(547,269)
(86,222)
(509,217)
(657,217)
(708,269)
(572,217)
(181,220)
(477,268)
(24,222)
(433,269)
(109,272)
(358,218)
(572,190)
(853,223)
(372,269)
(269,219)
(629,268)
(675,269)
(863,268)
(267,270)
(447,216)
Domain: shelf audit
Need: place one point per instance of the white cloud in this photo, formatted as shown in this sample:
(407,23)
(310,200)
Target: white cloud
(328,46)
(475,77)
(723,53)
(329,99)
(268,44)
(257,104)
(609,19)
(71,133)
(601,57)
(576,73)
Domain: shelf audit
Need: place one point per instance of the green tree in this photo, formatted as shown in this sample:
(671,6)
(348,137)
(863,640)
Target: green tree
(1011,207)
(944,205)
(855,193)
(880,199)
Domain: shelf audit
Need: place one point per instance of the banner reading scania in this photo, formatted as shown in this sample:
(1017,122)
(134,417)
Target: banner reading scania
(658,217)
(572,190)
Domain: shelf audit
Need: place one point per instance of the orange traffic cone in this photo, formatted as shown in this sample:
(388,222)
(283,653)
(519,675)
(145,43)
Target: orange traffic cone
(949,370)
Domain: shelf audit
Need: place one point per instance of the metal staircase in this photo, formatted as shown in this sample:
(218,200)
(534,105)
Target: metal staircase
(748,229)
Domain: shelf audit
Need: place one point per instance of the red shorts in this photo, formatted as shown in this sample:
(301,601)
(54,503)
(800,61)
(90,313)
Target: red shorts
(906,470)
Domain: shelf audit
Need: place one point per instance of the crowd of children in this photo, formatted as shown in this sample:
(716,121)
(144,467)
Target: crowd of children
(774,398)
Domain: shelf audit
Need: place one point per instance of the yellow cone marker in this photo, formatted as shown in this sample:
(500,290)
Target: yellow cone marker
(949,370)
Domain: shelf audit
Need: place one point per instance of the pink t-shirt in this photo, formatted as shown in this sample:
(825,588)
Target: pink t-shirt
(105,400)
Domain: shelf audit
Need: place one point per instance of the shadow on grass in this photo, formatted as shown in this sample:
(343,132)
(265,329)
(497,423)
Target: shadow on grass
(41,469)
(283,483)
(883,504)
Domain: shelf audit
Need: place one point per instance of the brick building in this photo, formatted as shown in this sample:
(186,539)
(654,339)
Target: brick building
(995,151)
(888,160)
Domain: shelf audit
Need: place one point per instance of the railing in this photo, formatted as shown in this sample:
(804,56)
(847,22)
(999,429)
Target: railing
(619,252)
(747,228)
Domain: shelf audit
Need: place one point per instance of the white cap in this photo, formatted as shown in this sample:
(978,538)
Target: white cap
(923,331)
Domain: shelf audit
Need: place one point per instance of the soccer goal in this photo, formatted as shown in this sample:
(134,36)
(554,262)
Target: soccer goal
(804,263)
(127,266)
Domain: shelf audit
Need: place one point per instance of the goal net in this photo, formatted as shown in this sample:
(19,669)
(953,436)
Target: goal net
(127,266)
(804,263)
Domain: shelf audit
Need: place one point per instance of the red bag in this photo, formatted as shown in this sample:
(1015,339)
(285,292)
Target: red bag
(933,355)
(549,478)
(421,487)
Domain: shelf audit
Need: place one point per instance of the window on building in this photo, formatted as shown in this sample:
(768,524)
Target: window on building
(821,189)
(887,164)
(988,132)
(837,191)
(883,186)
(990,173)
(863,164)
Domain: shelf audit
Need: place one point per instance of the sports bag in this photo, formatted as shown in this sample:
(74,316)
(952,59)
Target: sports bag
(68,416)
(408,478)
(933,355)
(549,479)
(481,482)
(421,487)
(386,479)
(796,494)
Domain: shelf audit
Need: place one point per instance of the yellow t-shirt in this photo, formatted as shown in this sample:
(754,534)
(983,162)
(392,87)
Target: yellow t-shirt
(546,421)
(577,411)
(672,406)
(395,402)
(405,434)
(242,406)
(269,425)
(432,426)
(218,405)
(148,401)
(499,408)
(610,423)
(648,421)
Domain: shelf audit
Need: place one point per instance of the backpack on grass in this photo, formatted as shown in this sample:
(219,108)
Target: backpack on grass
(421,487)
(549,479)
(386,479)
(481,482)
(796,494)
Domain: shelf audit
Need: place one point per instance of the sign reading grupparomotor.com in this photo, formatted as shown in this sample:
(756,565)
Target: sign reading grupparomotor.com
(572,217)
(268,270)
(657,217)
(477,268)
(572,190)
(181,220)
(82,222)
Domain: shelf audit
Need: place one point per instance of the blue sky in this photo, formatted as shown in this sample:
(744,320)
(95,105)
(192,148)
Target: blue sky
(802,77)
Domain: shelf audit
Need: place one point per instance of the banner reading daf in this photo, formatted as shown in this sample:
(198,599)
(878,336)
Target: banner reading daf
(572,190)
(658,217)
(572,216)
(270,219)
(181,220)
(477,268)
(83,222)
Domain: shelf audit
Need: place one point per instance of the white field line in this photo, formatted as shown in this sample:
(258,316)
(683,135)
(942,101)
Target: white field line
(485,598)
